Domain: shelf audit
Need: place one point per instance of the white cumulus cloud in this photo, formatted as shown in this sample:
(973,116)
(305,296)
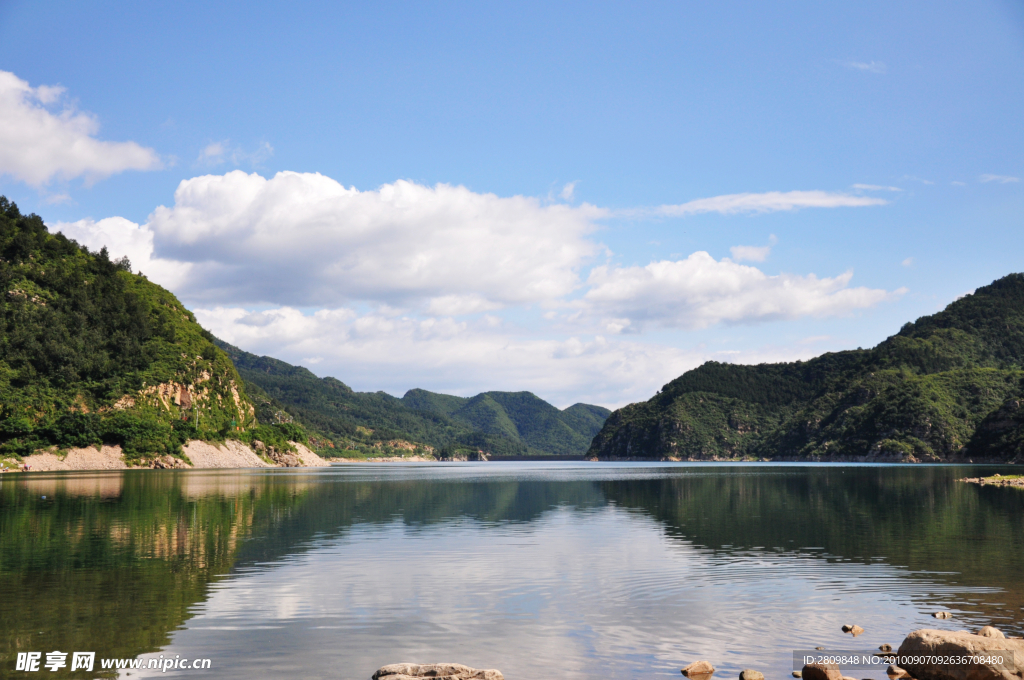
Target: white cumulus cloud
(373,351)
(700,291)
(39,143)
(304,239)
(124,238)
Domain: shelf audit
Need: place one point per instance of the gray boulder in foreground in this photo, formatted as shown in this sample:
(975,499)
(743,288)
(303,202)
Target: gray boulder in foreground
(928,643)
(437,671)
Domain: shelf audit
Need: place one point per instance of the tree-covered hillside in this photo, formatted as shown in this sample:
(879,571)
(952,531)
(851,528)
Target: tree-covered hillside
(91,353)
(500,423)
(946,387)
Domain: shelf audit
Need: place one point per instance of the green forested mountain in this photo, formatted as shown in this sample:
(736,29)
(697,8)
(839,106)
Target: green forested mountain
(948,387)
(91,353)
(501,423)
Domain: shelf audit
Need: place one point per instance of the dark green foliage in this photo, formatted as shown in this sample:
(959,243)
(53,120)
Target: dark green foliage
(499,423)
(91,353)
(943,388)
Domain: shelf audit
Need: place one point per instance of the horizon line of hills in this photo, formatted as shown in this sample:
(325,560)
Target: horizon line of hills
(497,423)
(91,353)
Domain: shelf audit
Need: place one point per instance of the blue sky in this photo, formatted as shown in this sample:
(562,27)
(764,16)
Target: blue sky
(905,118)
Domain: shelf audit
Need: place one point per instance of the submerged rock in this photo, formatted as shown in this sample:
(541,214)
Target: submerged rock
(853,630)
(942,615)
(436,671)
(885,648)
(821,671)
(700,670)
(930,646)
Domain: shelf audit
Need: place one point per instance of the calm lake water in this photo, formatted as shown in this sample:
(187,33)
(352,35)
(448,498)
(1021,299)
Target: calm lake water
(542,570)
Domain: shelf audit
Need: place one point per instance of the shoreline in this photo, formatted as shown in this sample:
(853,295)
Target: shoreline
(198,455)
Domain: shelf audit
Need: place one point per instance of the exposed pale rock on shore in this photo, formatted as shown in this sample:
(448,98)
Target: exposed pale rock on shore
(307,457)
(437,671)
(107,458)
(230,454)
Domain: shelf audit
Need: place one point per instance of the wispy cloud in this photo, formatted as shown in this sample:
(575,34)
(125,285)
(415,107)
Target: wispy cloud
(216,153)
(909,262)
(875,187)
(213,153)
(770,201)
(1001,179)
(869,66)
(753,253)
(913,178)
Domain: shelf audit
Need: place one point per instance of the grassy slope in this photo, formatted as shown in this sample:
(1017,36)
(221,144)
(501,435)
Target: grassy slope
(91,353)
(946,387)
(503,423)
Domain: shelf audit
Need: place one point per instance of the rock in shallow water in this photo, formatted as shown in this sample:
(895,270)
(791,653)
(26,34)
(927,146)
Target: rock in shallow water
(436,671)
(929,645)
(699,669)
(992,632)
(749,674)
(821,671)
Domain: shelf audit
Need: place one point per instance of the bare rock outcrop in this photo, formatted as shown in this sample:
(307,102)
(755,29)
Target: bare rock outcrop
(169,463)
(929,646)
(88,458)
(437,671)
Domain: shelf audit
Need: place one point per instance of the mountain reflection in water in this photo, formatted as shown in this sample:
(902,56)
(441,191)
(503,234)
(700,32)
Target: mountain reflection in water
(562,570)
